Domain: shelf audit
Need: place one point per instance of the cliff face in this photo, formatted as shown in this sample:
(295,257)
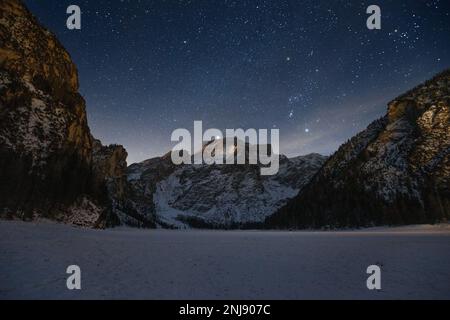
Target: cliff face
(47,163)
(395,172)
(125,207)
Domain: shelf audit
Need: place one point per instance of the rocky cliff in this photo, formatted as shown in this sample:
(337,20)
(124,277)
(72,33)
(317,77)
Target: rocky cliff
(395,172)
(50,166)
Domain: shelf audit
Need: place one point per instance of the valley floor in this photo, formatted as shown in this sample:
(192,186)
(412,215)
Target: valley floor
(158,264)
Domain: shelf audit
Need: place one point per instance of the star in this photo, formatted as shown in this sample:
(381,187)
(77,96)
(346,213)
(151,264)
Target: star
(291,114)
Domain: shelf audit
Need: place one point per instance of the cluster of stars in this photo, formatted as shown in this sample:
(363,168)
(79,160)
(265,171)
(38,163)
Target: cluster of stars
(310,68)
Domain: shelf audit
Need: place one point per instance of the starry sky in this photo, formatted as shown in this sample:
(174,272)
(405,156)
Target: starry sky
(311,69)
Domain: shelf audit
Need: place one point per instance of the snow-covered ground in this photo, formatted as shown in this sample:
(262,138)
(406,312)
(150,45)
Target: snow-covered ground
(159,264)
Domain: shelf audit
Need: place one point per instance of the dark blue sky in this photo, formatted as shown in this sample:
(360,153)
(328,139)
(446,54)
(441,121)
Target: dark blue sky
(309,68)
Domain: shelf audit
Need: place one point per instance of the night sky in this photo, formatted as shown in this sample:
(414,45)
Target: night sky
(309,68)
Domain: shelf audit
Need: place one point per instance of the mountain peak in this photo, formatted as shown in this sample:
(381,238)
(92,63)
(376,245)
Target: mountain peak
(412,104)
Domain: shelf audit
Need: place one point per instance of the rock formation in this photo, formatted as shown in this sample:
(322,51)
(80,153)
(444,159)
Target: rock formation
(50,166)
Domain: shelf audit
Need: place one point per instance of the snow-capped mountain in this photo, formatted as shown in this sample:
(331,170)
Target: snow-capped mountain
(222,196)
(395,172)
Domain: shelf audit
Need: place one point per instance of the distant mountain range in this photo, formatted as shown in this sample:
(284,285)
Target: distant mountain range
(395,172)
(218,196)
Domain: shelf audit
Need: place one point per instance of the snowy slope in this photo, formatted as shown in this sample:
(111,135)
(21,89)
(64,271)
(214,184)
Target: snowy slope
(222,196)
(162,264)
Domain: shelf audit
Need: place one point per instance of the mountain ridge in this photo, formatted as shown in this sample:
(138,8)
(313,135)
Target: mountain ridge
(217,196)
(394,172)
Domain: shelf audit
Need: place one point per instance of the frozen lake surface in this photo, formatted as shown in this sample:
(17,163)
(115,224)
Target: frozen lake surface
(158,264)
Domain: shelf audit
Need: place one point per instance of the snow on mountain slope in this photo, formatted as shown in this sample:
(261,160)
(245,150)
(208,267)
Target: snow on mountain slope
(222,196)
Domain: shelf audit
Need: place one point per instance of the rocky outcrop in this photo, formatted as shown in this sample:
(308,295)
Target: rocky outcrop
(126,207)
(395,172)
(50,166)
